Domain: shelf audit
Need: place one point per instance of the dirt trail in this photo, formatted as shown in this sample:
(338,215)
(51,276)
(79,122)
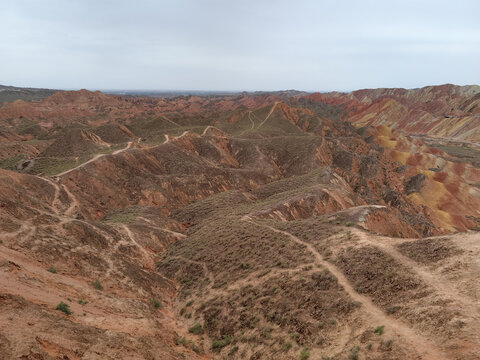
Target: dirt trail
(148,261)
(152,225)
(96,157)
(26,277)
(421,345)
(25,227)
(73,204)
(56,203)
(441,286)
(251,120)
(268,115)
(171,121)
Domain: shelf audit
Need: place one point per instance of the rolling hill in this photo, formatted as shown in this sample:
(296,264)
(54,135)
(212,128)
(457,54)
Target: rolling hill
(247,226)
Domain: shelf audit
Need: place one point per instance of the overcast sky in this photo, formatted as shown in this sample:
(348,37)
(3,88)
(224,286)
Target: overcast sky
(239,45)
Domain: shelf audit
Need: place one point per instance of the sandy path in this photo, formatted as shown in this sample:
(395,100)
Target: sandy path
(441,286)
(268,115)
(421,345)
(153,226)
(96,157)
(171,121)
(148,261)
(251,120)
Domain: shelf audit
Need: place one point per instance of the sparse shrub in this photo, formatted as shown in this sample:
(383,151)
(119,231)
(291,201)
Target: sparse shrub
(156,303)
(234,350)
(354,353)
(304,354)
(267,332)
(64,308)
(52,270)
(379,330)
(196,329)
(195,348)
(287,346)
(97,285)
(189,303)
(386,345)
(295,336)
(349,224)
(218,345)
(369,346)
(82,302)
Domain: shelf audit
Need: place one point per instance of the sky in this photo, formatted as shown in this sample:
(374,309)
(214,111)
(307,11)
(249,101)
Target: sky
(311,45)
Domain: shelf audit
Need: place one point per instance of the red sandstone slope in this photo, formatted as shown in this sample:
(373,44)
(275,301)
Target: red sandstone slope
(445,111)
(444,186)
(243,219)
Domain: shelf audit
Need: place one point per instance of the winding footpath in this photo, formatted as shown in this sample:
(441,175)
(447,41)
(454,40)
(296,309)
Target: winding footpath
(421,345)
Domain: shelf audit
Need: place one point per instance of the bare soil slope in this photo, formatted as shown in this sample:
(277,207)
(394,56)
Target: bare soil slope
(243,227)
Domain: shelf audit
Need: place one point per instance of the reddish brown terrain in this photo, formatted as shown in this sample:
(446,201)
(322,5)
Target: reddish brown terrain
(249,226)
(446,111)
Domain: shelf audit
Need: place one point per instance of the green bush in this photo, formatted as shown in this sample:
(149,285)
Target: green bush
(196,329)
(97,285)
(64,308)
(379,330)
(304,354)
(217,345)
(82,302)
(52,270)
(156,303)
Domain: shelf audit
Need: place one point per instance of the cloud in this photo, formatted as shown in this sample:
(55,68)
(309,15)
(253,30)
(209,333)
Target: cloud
(241,45)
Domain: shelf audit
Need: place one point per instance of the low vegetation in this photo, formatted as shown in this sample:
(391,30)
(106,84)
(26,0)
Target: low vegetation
(304,354)
(64,307)
(379,330)
(196,329)
(97,285)
(156,303)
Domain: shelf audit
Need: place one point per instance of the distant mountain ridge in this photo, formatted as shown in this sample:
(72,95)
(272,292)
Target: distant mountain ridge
(12,93)
(444,111)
